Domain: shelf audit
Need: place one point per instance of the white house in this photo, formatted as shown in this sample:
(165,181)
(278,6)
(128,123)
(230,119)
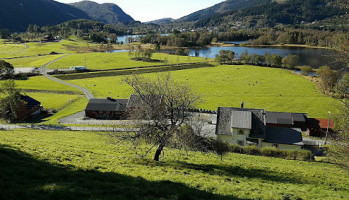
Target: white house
(240,126)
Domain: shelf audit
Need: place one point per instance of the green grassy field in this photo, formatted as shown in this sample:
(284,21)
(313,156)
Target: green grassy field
(102,61)
(52,100)
(84,165)
(43,84)
(36,61)
(77,105)
(272,89)
(10,50)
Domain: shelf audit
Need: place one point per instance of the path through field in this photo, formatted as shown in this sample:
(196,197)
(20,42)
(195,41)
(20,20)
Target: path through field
(43,70)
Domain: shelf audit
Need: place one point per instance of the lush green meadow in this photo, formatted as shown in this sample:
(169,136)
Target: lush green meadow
(258,87)
(85,165)
(8,50)
(35,61)
(44,84)
(52,100)
(103,61)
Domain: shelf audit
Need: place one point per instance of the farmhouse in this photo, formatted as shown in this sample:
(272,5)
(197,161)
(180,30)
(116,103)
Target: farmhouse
(244,127)
(108,108)
(26,108)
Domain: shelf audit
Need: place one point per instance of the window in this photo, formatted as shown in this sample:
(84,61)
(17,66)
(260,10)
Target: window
(241,143)
(241,132)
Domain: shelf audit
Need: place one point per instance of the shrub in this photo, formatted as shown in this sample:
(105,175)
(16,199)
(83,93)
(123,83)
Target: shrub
(272,152)
(306,70)
(252,150)
(291,155)
(305,155)
(236,149)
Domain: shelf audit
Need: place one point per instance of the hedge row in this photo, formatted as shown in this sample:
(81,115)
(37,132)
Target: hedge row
(303,155)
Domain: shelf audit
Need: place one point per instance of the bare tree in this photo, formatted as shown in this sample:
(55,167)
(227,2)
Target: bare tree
(160,108)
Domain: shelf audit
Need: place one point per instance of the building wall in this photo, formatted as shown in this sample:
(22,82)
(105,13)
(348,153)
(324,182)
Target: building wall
(235,138)
(282,146)
(104,114)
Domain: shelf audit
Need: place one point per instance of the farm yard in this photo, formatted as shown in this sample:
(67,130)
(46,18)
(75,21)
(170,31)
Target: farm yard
(58,164)
(272,89)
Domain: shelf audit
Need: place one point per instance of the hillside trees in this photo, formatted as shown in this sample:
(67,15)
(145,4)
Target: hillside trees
(163,105)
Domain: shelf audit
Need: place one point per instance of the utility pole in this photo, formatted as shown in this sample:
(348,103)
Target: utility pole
(328,126)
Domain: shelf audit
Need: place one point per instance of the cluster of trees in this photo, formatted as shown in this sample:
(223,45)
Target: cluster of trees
(83,28)
(270,60)
(302,37)
(225,57)
(139,53)
(203,38)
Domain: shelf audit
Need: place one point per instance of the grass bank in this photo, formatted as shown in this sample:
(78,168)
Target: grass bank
(84,165)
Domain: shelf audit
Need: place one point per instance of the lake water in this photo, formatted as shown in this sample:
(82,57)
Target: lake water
(311,57)
(308,56)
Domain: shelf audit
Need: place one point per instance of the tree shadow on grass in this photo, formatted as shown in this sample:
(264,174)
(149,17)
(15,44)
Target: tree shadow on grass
(231,171)
(25,177)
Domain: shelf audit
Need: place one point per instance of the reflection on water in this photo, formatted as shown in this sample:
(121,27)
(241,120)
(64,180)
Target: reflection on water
(312,57)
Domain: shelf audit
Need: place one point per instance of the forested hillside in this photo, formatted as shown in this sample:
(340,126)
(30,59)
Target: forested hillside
(16,15)
(108,13)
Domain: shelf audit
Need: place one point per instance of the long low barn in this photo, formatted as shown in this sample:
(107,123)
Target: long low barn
(106,108)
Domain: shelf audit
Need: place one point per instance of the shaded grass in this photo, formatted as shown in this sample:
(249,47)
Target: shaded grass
(269,88)
(79,165)
(103,61)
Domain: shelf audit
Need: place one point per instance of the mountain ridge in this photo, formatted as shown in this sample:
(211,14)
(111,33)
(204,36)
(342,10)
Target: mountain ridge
(107,12)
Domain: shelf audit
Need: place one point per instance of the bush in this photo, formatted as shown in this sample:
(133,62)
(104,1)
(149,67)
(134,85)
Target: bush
(305,155)
(236,149)
(252,150)
(291,155)
(272,152)
(306,70)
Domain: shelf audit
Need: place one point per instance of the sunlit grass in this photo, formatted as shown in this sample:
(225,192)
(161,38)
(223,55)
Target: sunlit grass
(100,61)
(258,87)
(84,164)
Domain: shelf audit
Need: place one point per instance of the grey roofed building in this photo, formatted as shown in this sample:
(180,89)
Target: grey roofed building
(279,118)
(280,135)
(299,117)
(241,119)
(134,101)
(107,105)
(224,121)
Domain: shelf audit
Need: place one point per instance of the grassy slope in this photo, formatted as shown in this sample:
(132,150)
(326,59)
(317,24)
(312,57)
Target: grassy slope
(42,83)
(276,90)
(99,61)
(37,61)
(53,101)
(83,165)
(10,50)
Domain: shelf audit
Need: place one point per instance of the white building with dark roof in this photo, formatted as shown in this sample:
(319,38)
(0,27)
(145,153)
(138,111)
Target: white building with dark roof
(240,126)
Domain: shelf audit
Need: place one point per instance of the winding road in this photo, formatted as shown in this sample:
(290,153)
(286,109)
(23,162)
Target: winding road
(43,70)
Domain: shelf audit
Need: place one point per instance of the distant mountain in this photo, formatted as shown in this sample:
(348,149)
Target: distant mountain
(268,13)
(108,13)
(228,5)
(16,15)
(162,21)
